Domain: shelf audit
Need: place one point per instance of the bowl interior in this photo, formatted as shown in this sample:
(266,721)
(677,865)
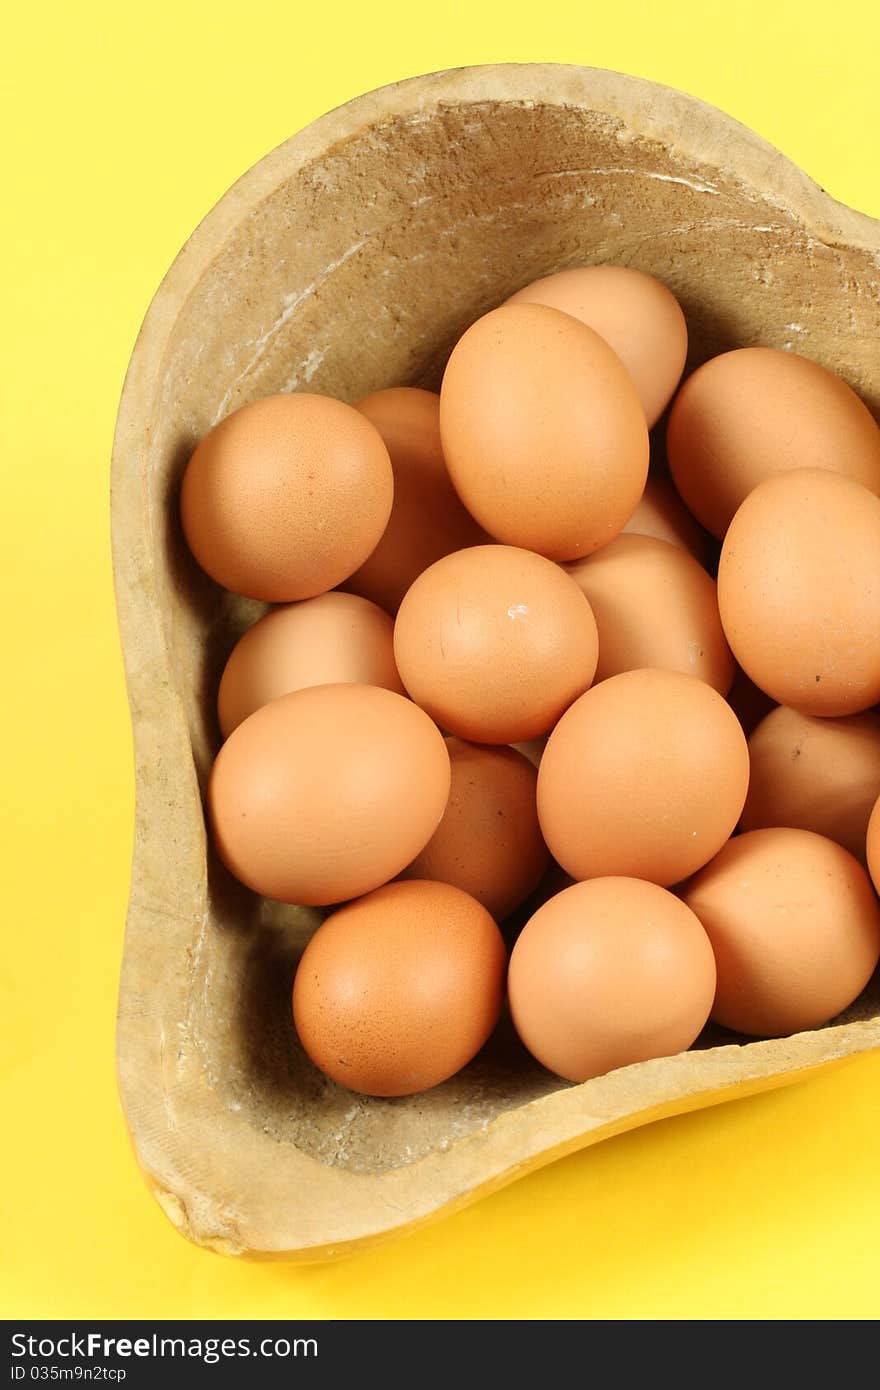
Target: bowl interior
(359,271)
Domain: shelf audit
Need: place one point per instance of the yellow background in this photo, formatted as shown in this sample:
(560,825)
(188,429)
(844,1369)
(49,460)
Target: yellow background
(123,125)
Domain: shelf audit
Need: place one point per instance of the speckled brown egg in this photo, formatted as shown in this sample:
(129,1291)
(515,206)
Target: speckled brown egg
(286,497)
(607,973)
(495,642)
(795,927)
(654,605)
(327,793)
(398,991)
(489,842)
(327,640)
(543,431)
(815,774)
(428,519)
(758,411)
(645,776)
(799,591)
(634,313)
(661,513)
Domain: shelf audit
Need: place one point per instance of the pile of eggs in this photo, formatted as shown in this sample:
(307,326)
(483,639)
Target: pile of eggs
(498,661)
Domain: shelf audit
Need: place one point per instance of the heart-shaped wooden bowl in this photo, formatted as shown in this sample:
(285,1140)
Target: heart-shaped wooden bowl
(347,260)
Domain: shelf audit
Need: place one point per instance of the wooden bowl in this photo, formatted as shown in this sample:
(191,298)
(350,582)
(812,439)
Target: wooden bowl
(350,259)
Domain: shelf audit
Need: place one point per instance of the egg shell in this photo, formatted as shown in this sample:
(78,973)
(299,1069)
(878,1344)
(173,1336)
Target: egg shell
(398,991)
(428,519)
(815,774)
(327,640)
(755,412)
(607,973)
(327,793)
(286,497)
(645,776)
(634,313)
(489,842)
(655,606)
(495,643)
(799,591)
(661,513)
(795,927)
(543,432)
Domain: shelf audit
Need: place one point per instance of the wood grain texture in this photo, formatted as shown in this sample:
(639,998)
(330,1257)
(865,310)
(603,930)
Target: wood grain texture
(347,260)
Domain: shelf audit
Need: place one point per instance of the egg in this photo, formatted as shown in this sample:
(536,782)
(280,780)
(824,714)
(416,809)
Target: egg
(799,591)
(607,973)
(428,519)
(795,927)
(662,514)
(755,412)
(815,774)
(398,991)
(327,793)
(645,776)
(326,640)
(543,431)
(489,841)
(286,497)
(495,643)
(654,605)
(634,313)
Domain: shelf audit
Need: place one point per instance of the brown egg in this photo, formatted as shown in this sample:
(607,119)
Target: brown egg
(327,640)
(398,991)
(607,973)
(662,513)
(755,412)
(644,776)
(873,846)
(495,642)
(795,927)
(428,519)
(489,841)
(543,431)
(799,591)
(634,313)
(815,774)
(749,704)
(327,793)
(286,497)
(654,605)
